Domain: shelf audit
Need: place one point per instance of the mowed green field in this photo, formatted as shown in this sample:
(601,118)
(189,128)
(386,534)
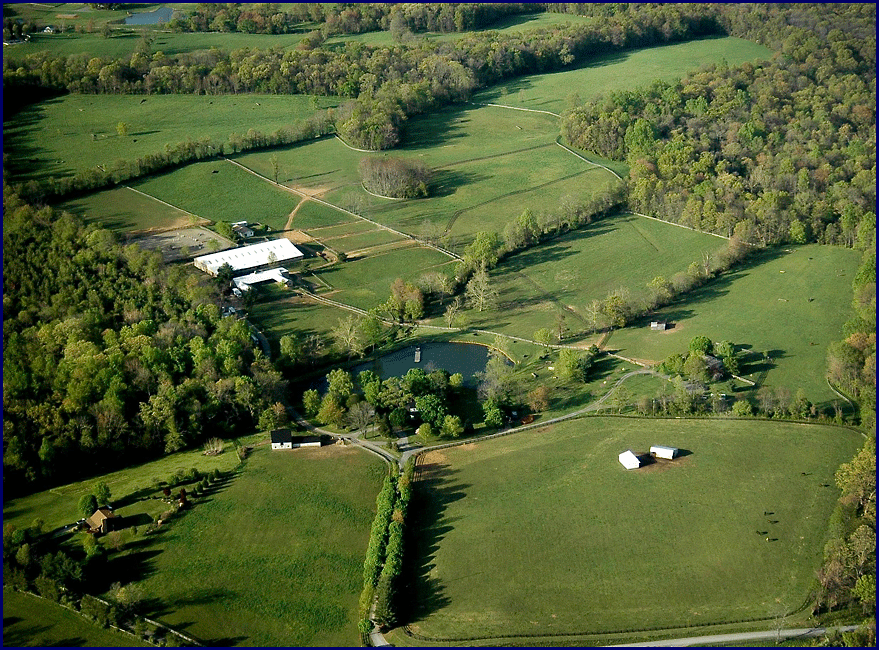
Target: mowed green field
(124,210)
(792,304)
(365,282)
(29,621)
(273,559)
(545,532)
(55,137)
(617,71)
(568,273)
(220,191)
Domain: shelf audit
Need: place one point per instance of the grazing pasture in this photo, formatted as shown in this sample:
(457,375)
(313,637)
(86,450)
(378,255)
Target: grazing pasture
(29,621)
(274,557)
(365,282)
(124,210)
(545,532)
(619,71)
(566,274)
(64,135)
(790,302)
(230,194)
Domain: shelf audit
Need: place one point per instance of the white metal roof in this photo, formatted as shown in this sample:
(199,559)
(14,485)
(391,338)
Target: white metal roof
(629,459)
(248,257)
(244,282)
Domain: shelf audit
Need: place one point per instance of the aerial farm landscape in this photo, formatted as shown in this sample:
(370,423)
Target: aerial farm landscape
(439,324)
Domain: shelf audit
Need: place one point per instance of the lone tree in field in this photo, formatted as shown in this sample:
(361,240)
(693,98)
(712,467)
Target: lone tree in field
(395,177)
(276,169)
(479,292)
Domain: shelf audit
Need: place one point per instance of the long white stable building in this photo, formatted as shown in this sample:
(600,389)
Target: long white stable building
(249,257)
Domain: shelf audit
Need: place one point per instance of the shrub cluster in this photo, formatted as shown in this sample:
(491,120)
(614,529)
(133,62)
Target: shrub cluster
(395,177)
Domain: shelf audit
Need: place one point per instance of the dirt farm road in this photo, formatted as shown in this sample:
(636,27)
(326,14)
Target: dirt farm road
(732,639)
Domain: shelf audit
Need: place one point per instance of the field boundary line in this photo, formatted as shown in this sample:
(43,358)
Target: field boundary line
(515,108)
(339,138)
(571,151)
(680,225)
(381,196)
(336,207)
(149,196)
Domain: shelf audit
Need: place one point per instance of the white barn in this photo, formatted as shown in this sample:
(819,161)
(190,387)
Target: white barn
(243,282)
(630,460)
(661,451)
(249,257)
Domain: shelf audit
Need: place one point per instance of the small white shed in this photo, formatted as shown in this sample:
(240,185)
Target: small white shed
(630,460)
(661,451)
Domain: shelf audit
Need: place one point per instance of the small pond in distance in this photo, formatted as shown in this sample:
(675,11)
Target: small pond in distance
(466,358)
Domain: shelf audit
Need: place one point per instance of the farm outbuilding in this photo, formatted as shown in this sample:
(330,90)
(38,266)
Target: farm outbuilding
(661,451)
(282,439)
(249,257)
(244,282)
(242,230)
(658,326)
(630,460)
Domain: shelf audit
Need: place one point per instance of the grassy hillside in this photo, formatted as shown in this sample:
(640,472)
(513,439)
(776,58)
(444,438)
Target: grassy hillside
(61,136)
(29,621)
(620,71)
(791,302)
(546,533)
(275,558)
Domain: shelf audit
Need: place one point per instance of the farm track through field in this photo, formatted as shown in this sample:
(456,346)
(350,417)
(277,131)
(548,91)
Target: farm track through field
(336,207)
(458,213)
(495,155)
(547,296)
(289,224)
(644,236)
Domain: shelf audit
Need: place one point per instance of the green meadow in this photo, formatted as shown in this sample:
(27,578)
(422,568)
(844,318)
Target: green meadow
(65,135)
(788,302)
(29,621)
(564,275)
(365,282)
(619,71)
(220,191)
(124,210)
(545,532)
(273,558)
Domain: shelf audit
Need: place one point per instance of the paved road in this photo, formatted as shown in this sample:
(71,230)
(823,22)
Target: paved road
(731,639)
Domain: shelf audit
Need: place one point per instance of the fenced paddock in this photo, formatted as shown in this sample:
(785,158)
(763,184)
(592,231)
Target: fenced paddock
(572,544)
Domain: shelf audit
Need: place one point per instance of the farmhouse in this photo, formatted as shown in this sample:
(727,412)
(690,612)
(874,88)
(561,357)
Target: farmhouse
(661,451)
(101,520)
(242,231)
(283,439)
(249,257)
(630,460)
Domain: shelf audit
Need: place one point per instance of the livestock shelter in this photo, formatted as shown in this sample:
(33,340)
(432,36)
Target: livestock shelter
(244,282)
(630,460)
(249,257)
(661,451)
(658,326)
(282,439)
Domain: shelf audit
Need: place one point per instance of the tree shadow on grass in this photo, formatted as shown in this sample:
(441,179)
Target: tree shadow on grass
(71,642)
(433,492)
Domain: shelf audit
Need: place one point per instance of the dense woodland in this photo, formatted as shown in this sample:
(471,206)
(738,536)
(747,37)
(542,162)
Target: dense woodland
(110,356)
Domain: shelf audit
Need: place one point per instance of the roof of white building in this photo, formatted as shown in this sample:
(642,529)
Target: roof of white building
(243,282)
(248,257)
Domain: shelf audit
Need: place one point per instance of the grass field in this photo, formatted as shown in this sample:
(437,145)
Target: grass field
(124,210)
(29,621)
(275,558)
(230,194)
(366,282)
(544,532)
(289,315)
(564,275)
(792,304)
(620,71)
(59,506)
(54,137)
(490,164)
